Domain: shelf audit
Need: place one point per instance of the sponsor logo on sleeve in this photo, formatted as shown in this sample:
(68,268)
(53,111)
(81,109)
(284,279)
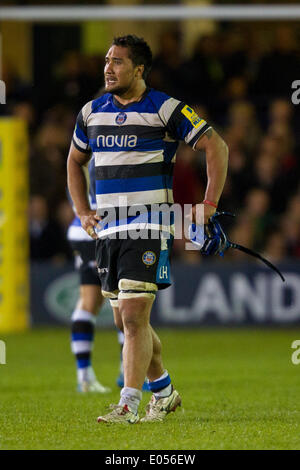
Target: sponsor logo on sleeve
(193,117)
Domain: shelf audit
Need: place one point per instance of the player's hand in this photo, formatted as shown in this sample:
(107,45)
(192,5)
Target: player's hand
(201,213)
(89,221)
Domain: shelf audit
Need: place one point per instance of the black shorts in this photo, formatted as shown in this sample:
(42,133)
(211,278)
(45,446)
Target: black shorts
(85,263)
(138,260)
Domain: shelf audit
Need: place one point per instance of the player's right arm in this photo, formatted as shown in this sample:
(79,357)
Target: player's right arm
(79,155)
(77,186)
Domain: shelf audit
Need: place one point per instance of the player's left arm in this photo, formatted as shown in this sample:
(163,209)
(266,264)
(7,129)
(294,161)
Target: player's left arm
(183,123)
(216,168)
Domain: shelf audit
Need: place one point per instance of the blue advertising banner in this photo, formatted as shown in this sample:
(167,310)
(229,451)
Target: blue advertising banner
(217,293)
(230,294)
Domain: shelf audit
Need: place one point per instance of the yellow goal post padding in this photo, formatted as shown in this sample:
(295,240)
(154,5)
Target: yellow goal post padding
(14,238)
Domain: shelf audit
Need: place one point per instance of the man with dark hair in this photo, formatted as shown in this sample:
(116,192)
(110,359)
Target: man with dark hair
(133,132)
(138,51)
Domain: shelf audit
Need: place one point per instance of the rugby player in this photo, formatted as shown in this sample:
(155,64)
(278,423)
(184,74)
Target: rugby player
(133,133)
(90,300)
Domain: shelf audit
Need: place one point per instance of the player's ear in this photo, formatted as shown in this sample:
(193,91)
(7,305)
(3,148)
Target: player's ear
(140,71)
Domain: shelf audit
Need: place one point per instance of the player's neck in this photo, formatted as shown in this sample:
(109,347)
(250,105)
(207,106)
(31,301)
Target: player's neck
(132,95)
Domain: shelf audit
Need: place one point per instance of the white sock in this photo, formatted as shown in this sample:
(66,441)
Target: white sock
(131,397)
(86,374)
(165,392)
(120,337)
(83,315)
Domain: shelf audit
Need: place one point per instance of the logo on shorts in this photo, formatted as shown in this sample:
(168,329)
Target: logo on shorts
(102,270)
(149,258)
(121,118)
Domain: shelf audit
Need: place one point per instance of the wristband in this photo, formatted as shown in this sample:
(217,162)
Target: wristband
(209,203)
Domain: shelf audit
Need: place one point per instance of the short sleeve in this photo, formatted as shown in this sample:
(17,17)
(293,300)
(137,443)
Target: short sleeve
(182,122)
(80,138)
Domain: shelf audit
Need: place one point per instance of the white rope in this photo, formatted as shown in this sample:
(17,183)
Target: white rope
(151,12)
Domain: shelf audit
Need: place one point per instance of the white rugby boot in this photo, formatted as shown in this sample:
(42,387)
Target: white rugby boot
(158,409)
(92,386)
(119,414)
(90,383)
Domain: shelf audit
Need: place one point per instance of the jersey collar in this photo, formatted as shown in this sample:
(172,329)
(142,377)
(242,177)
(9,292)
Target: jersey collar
(124,106)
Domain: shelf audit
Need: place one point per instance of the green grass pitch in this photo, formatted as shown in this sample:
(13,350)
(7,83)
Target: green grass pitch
(239,389)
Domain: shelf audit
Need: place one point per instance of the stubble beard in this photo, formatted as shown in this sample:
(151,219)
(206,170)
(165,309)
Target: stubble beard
(119,91)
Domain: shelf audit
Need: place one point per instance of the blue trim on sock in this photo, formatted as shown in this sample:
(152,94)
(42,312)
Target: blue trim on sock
(82,337)
(159,384)
(83,363)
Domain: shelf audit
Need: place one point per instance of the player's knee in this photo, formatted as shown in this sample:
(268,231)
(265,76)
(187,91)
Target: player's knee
(90,298)
(88,306)
(135,297)
(134,323)
(135,310)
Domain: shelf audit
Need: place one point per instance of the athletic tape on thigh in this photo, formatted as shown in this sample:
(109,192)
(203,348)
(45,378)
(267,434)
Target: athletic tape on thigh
(132,295)
(110,295)
(139,286)
(130,289)
(114,302)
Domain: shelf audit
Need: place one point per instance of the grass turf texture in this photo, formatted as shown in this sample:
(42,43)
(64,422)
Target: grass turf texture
(239,389)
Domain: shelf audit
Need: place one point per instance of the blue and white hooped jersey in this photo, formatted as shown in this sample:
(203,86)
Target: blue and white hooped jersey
(134,148)
(75,231)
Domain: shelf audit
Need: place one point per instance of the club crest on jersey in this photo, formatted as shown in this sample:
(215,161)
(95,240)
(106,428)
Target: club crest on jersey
(121,118)
(149,258)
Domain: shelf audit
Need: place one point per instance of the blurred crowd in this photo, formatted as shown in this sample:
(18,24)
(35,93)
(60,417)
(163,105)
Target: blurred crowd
(242,88)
